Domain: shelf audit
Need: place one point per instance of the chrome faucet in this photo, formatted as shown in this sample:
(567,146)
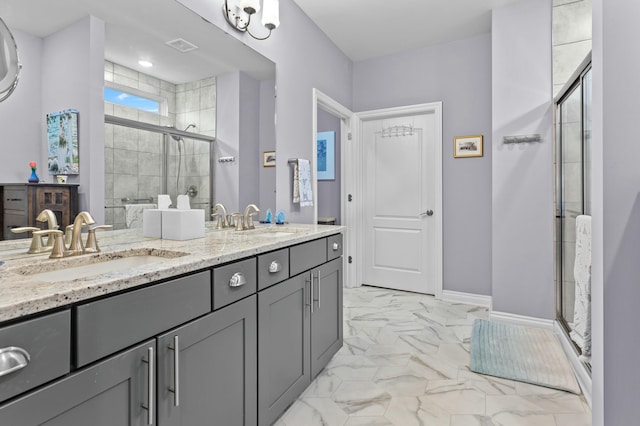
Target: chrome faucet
(82,219)
(222,216)
(247,218)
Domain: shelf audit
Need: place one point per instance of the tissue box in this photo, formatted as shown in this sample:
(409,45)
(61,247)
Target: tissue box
(152,223)
(182,224)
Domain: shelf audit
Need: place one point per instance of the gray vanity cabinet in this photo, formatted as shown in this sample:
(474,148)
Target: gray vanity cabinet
(283,346)
(300,328)
(207,369)
(326,319)
(113,392)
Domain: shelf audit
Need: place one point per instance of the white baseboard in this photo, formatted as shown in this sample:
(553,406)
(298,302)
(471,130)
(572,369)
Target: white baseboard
(466,298)
(522,320)
(579,369)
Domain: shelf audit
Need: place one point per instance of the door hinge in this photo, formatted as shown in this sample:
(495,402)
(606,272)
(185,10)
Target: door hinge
(350,259)
(349,136)
(349,198)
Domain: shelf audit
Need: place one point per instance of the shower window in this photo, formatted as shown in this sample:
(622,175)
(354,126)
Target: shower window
(572,191)
(134,98)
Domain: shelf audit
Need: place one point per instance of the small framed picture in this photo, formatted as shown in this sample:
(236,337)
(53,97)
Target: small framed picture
(269,159)
(467,146)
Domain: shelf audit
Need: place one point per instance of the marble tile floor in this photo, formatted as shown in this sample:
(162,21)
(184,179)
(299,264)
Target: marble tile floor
(405,362)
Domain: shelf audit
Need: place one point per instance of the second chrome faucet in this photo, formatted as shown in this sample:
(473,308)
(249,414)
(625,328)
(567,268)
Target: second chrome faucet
(241,222)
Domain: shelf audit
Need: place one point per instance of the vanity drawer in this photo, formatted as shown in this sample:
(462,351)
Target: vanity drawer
(233,282)
(109,325)
(15,199)
(334,246)
(14,221)
(307,255)
(47,340)
(272,268)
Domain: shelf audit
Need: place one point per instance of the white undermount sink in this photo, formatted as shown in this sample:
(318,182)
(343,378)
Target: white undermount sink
(68,270)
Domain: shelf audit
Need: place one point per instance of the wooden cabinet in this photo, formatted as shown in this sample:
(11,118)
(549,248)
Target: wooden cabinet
(21,204)
(300,328)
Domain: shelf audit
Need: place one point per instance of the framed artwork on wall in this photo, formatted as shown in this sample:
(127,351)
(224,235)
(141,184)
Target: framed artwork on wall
(467,146)
(62,141)
(269,159)
(326,160)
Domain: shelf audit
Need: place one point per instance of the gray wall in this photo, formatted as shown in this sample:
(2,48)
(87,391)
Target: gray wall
(459,75)
(305,58)
(250,160)
(329,190)
(522,173)
(616,215)
(267,143)
(20,116)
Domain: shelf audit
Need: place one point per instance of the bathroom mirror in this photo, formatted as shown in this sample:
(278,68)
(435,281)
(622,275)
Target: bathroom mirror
(9,62)
(142,29)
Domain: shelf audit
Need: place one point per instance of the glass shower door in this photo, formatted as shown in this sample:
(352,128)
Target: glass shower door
(573,172)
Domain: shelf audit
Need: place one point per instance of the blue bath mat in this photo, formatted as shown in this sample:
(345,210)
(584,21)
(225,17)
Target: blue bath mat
(526,354)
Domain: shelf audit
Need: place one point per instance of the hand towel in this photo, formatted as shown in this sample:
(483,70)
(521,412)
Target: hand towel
(581,333)
(302,183)
(133,214)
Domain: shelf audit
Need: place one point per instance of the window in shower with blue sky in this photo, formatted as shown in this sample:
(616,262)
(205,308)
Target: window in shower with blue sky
(120,97)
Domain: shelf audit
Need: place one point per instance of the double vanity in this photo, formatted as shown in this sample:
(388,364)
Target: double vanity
(227,330)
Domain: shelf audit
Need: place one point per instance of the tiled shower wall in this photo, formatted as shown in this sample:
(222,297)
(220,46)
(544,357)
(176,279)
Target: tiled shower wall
(134,158)
(571,37)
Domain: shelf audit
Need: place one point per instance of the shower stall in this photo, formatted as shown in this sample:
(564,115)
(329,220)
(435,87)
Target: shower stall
(151,160)
(572,187)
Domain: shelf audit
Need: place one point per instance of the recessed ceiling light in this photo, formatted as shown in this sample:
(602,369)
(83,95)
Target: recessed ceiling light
(144,63)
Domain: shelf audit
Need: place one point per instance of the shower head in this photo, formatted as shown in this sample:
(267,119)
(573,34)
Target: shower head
(179,138)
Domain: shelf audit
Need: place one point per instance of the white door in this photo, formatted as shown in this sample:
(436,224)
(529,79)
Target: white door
(400,195)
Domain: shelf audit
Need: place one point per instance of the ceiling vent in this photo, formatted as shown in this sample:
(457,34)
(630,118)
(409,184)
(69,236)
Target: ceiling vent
(181,45)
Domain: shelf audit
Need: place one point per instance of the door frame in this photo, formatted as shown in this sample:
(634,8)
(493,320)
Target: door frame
(348,176)
(427,108)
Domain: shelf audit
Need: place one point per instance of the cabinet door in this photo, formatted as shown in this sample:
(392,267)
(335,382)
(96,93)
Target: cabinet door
(326,320)
(110,393)
(283,346)
(215,382)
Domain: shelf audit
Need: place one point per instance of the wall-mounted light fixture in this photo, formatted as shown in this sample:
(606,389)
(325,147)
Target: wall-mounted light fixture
(238,14)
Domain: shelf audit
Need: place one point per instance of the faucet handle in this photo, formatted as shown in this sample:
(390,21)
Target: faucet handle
(249,224)
(238,222)
(22,229)
(92,242)
(57,245)
(222,220)
(68,233)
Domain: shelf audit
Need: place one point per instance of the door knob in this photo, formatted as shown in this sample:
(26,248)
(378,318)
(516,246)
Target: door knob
(427,213)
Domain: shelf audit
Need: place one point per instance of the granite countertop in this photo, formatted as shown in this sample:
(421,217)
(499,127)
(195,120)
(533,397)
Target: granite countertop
(23,294)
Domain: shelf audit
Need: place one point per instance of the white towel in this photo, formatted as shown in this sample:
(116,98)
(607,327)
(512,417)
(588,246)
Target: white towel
(302,183)
(581,333)
(133,214)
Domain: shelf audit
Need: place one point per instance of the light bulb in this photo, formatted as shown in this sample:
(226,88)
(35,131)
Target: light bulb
(271,14)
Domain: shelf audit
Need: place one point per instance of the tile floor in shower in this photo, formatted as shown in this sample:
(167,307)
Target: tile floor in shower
(405,361)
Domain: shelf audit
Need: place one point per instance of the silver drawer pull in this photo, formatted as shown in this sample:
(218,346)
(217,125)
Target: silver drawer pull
(13,359)
(336,246)
(151,372)
(237,280)
(274,267)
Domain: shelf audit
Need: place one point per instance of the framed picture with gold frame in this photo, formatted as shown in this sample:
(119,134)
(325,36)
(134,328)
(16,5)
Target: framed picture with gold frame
(467,146)
(269,159)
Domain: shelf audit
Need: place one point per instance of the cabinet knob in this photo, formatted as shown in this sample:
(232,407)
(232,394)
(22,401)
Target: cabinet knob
(275,267)
(13,359)
(237,280)
(336,246)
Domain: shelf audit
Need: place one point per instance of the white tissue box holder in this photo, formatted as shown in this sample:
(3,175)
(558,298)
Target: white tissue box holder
(182,224)
(152,223)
